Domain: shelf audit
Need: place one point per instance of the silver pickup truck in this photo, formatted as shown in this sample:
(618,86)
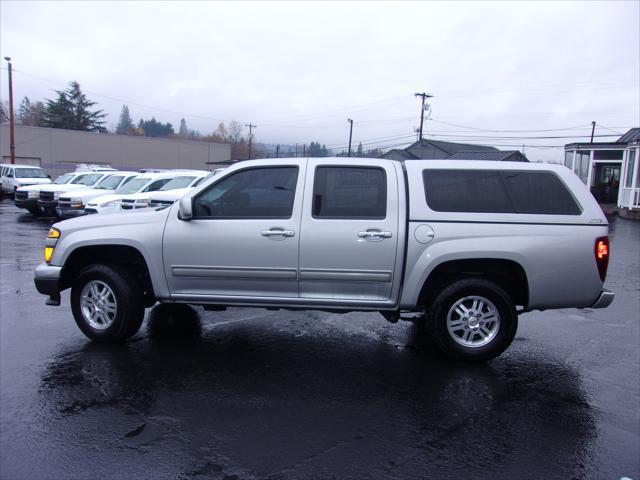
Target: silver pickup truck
(463,246)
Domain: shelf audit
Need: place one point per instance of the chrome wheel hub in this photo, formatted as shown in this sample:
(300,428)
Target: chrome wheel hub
(98,304)
(473,321)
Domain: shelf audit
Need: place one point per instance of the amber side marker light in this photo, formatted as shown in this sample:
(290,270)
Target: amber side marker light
(52,239)
(602,256)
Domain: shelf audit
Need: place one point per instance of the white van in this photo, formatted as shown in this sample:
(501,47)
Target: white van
(14,176)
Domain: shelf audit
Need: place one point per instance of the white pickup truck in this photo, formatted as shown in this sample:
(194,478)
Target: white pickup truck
(465,245)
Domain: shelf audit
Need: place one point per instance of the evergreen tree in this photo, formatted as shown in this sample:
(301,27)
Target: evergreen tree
(71,111)
(184,131)
(153,128)
(125,125)
(4,115)
(359,151)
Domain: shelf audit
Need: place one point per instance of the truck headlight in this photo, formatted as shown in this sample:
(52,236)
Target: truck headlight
(76,203)
(33,194)
(112,203)
(50,243)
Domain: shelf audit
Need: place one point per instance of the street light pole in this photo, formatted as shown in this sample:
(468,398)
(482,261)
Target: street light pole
(350,135)
(12,138)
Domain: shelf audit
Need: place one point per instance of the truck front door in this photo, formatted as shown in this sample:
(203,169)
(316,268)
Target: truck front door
(243,238)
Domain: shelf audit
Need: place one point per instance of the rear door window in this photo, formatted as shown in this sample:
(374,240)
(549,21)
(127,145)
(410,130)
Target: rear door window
(350,193)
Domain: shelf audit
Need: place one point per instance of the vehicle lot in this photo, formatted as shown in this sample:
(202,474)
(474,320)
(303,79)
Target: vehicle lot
(250,393)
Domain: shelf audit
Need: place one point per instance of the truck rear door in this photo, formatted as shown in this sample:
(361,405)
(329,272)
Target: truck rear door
(351,230)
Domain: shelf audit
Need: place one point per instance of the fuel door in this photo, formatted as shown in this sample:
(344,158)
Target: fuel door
(424,234)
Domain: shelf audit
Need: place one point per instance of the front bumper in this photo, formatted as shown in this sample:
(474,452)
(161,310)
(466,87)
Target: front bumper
(604,300)
(28,203)
(70,212)
(49,205)
(47,280)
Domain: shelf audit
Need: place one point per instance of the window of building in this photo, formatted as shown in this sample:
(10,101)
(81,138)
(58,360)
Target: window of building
(490,191)
(251,193)
(568,159)
(607,154)
(628,182)
(581,166)
(350,193)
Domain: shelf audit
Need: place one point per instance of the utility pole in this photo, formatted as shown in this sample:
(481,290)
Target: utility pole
(593,130)
(12,135)
(350,135)
(277,151)
(424,98)
(304,150)
(251,127)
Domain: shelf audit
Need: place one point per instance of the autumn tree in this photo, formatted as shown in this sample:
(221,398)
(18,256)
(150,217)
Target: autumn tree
(125,124)
(71,110)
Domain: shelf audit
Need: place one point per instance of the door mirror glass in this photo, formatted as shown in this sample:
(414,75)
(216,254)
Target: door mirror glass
(184,210)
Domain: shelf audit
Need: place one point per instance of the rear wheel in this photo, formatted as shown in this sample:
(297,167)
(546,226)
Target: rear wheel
(107,303)
(471,319)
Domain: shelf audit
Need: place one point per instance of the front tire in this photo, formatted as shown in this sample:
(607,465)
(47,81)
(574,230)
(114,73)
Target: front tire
(471,319)
(107,303)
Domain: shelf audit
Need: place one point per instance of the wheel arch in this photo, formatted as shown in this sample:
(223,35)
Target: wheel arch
(124,256)
(507,273)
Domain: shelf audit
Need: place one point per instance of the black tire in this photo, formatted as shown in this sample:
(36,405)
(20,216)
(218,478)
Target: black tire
(36,212)
(502,332)
(128,297)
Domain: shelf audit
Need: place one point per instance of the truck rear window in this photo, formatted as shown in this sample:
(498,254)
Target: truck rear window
(493,191)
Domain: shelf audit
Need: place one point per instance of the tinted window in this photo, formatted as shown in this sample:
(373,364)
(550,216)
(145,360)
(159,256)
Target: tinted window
(539,193)
(157,185)
(89,179)
(253,193)
(350,192)
(487,191)
(480,191)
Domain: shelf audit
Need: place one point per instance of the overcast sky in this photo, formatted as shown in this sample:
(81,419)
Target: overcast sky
(299,70)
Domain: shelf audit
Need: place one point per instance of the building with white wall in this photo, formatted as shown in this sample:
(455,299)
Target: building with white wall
(610,169)
(59,151)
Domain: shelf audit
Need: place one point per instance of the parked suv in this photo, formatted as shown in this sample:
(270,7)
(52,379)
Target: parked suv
(177,188)
(135,194)
(27,197)
(50,194)
(462,246)
(72,204)
(13,177)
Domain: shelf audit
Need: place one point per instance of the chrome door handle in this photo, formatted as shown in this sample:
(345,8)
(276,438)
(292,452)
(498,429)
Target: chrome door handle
(284,233)
(374,234)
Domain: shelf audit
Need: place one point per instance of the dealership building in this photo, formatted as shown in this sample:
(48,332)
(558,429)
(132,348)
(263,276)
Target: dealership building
(59,151)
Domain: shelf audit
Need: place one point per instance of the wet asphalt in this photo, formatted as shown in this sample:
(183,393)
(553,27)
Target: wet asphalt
(256,394)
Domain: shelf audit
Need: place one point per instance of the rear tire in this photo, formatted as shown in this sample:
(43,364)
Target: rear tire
(471,319)
(107,303)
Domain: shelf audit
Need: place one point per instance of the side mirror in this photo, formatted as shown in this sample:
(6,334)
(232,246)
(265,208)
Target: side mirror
(185,210)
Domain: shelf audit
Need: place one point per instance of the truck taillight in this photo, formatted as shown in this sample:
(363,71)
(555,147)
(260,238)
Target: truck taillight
(602,256)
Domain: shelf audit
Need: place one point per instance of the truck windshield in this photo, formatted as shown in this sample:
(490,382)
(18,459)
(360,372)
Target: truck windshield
(132,186)
(30,173)
(178,182)
(62,179)
(109,183)
(90,179)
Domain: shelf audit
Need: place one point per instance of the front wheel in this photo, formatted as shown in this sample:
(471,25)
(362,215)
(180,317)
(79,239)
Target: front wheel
(472,319)
(107,303)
